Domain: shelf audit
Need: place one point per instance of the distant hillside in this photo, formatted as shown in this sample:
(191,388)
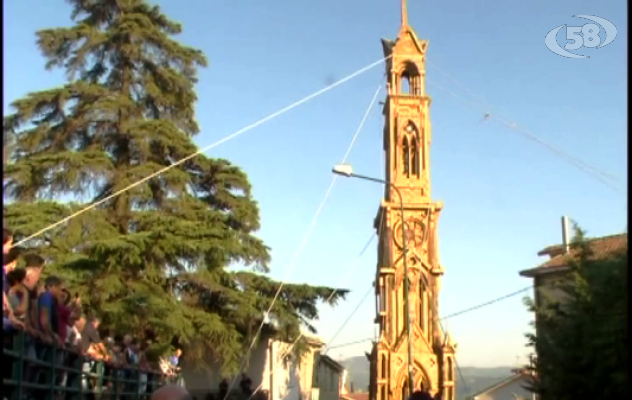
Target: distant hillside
(476,379)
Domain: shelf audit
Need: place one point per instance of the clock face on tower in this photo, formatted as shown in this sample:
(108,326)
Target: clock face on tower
(415,229)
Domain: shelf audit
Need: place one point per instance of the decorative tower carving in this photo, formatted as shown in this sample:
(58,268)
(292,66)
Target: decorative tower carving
(407,134)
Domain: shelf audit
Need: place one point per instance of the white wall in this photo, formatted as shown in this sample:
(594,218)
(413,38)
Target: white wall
(287,378)
(291,379)
(208,380)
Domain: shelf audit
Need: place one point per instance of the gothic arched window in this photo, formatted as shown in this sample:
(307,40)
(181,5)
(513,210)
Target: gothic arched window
(422,304)
(450,370)
(406,156)
(405,390)
(383,368)
(410,151)
(414,156)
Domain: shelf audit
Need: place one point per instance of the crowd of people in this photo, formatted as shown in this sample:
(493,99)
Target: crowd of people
(52,316)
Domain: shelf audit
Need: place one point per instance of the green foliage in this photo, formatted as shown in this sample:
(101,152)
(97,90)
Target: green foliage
(154,258)
(582,343)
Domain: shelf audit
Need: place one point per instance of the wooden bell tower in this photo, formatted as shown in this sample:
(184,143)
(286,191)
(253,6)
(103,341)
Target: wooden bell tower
(407,134)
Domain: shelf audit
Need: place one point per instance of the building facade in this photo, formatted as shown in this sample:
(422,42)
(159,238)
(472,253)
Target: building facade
(330,378)
(282,376)
(407,135)
(548,276)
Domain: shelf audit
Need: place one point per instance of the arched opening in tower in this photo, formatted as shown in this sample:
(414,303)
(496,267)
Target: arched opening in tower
(406,86)
(410,79)
(405,389)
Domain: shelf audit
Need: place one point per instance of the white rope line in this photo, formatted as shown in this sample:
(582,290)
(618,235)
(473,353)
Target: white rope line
(344,277)
(356,262)
(513,124)
(595,172)
(207,148)
(344,324)
(304,240)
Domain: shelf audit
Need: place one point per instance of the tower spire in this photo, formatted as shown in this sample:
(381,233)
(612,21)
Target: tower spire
(404,14)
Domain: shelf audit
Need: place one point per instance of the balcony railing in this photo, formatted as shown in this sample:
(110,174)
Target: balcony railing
(35,370)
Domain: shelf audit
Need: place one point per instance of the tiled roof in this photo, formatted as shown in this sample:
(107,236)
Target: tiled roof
(507,381)
(333,363)
(601,248)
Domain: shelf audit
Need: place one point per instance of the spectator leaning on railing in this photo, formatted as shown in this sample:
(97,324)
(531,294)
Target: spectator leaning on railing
(50,316)
(48,310)
(17,293)
(69,311)
(33,267)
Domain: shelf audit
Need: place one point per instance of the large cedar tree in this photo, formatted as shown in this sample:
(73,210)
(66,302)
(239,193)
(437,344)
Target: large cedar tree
(154,259)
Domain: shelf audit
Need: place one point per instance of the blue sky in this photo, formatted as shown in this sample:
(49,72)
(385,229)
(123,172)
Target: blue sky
(503,194)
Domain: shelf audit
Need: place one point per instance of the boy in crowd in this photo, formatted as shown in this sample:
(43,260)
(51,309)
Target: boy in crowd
(47,305)
(34,266)
(91,345)
(16,293)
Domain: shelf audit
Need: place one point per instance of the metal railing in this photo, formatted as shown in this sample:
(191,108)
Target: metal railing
(36,370)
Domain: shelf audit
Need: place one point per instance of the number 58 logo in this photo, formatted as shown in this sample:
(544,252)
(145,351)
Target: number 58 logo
(582,36)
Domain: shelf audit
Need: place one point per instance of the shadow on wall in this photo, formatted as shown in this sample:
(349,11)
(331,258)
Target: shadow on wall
(291,380)
(201,383)
(288,384)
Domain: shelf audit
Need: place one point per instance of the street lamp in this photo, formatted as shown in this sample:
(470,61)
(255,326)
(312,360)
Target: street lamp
(347,171)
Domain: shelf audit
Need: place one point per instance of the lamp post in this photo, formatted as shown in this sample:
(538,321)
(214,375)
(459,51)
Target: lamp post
(347,171)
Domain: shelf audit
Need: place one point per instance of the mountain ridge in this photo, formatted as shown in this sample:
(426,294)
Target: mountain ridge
(474,379)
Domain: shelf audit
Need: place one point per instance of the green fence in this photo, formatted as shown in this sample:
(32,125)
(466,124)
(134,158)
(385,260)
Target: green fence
(34,370)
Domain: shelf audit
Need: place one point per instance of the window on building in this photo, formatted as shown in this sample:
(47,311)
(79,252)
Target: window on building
(406,156)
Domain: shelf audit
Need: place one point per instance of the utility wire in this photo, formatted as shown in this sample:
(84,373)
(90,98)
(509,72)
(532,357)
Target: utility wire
(304,241)
(352,268)
(207,148)
(467,310)
(489,303)
(357,307)
(350,343)
(456,363)
(366,246)
(490,109)
(458,370)
(291,347)
(455,314)
(604,177)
